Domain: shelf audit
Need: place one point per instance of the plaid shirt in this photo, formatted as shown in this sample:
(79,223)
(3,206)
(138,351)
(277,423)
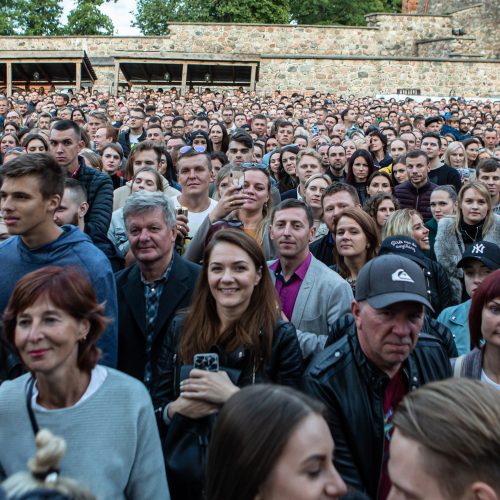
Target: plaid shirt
(152,295)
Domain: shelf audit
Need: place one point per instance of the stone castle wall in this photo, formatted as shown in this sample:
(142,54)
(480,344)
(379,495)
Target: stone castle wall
(393,51)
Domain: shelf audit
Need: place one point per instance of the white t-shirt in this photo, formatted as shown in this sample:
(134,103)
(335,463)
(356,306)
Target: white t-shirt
(485,378)
(97,378)
(196,218)
(134,139)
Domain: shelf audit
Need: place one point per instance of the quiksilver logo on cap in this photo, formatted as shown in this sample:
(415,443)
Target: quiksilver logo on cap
(401,275)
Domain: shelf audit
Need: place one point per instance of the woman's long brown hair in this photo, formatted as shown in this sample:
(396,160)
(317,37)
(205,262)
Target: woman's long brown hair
(254,330)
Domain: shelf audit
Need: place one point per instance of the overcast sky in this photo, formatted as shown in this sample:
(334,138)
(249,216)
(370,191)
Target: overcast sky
(119,13)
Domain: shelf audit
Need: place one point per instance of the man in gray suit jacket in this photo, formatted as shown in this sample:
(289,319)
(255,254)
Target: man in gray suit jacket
(312,296)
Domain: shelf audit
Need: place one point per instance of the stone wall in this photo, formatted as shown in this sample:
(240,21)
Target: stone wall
(219,39)
(369,77)
(479,19)
(394,51)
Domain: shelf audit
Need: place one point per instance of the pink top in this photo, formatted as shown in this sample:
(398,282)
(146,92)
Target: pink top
(288,290)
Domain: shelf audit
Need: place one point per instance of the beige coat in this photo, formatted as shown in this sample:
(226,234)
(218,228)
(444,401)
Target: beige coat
(121,194)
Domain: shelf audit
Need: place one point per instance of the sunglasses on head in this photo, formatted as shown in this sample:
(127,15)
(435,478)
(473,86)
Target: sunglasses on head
(196,149)
(259,166)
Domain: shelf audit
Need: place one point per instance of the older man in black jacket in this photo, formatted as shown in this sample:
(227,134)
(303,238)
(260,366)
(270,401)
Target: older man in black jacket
(363,376)
(152,290)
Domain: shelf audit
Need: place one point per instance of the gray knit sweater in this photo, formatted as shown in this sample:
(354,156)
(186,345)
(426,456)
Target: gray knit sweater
(113,446)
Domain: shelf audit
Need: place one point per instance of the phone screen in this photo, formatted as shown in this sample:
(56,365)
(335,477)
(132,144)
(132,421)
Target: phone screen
(238,179)
(207,361)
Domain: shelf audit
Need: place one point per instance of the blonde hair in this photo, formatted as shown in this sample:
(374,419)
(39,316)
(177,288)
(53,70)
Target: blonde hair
(308,152)
(42,471)
(92,158)
(455,422)
(400,223)
(317,176)
(489,220)
(451,149)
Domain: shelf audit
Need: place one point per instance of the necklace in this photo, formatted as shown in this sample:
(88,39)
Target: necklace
(473,238)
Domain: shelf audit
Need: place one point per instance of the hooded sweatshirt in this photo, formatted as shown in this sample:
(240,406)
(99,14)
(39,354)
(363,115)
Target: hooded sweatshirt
(72,248)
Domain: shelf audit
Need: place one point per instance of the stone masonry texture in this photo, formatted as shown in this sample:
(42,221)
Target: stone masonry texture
(393,51)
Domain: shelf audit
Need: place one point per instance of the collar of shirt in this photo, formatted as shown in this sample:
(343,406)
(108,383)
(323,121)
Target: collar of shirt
(76,173)
(300,272)
(162,279)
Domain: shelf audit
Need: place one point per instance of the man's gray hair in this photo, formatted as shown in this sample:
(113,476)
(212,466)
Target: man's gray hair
(144,201)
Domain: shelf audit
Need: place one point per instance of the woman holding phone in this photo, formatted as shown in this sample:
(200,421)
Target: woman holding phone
(244,196)
(235,313)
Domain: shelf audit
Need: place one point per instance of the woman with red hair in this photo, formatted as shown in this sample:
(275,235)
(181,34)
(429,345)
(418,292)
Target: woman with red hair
(483,362)
(53,322)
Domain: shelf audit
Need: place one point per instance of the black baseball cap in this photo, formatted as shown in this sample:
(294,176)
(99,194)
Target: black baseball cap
(389,279)
(402,245)
(486,252)
(432,119)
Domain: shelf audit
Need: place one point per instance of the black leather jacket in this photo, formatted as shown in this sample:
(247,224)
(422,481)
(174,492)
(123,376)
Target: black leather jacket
(285,365)
(431,327)
(352,388)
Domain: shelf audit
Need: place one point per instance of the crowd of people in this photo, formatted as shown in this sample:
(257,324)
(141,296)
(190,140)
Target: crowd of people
(227,296)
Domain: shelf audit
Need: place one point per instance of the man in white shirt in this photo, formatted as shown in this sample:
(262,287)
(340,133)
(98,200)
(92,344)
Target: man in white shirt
(194,177)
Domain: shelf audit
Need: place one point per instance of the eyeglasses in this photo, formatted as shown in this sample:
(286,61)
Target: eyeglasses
(234,224)
(178,127)
(16,149)
(259,166)
(196,149)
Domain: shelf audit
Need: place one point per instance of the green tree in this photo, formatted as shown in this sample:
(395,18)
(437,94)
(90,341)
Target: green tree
(152,16)
(87,19)
(6,18)
(30,17)
(345,12)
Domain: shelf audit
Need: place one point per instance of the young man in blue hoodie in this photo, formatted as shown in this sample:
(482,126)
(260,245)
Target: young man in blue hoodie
(32,188)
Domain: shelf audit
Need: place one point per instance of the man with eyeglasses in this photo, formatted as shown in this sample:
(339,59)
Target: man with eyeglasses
(136,132)
(227,118)
(178,127)
(464,128)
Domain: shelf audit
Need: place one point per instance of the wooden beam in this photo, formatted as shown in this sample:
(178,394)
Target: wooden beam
(78,77)
(8,78)
(253,74)
(184,78)
(117,77)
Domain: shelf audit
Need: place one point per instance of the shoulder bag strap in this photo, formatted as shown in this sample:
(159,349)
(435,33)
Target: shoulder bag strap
(29,396)
(457,369)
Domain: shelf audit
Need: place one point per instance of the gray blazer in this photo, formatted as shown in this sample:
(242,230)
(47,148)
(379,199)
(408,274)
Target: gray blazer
(323,298)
